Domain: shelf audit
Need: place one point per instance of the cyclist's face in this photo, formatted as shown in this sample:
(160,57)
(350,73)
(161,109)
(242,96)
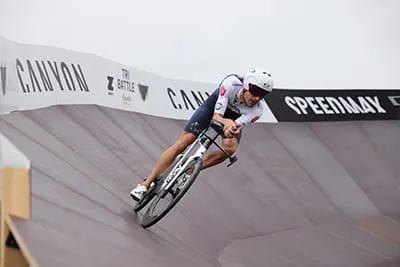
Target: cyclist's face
(251,99)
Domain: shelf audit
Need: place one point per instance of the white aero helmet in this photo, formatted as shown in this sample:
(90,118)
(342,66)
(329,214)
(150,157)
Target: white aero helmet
(258,81)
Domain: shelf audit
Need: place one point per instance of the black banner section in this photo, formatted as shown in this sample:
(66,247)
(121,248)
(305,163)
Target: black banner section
(334,105)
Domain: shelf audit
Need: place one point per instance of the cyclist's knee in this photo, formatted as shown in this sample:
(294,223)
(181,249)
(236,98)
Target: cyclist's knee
(184,140)
(230,150)
(230,145)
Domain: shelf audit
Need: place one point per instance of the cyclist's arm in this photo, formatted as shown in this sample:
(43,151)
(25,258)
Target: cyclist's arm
(231,128)
(223,98)
(225,90)
(227,122)
(250,117)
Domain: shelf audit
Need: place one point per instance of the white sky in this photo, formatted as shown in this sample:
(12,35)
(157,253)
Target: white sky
(304,43)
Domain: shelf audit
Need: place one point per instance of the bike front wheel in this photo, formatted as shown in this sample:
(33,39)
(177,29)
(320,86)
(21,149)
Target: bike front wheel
(165,200)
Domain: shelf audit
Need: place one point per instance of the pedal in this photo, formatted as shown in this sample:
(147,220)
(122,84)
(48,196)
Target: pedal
(152,183)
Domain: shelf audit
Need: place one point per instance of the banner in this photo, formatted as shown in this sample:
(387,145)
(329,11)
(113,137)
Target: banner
(38,76)
(333,105)
(33,77)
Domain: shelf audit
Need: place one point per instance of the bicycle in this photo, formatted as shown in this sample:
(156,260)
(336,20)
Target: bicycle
(176,180)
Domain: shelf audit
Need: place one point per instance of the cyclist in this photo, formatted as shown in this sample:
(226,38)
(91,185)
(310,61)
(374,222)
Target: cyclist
(235,103)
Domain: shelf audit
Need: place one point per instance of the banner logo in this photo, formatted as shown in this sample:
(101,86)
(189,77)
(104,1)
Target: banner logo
(43,76)
(186,100)
(395,100)
(110,87)
(126,99)
(334,105)
(123,83)
(143,89)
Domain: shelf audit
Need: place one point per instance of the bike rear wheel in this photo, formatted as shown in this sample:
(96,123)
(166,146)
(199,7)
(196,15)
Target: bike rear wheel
(152,191)
(176,192)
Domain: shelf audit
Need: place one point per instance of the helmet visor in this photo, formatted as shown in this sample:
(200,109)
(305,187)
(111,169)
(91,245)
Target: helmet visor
(257,91)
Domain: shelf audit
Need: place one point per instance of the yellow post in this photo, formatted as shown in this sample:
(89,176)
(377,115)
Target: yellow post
(16,202)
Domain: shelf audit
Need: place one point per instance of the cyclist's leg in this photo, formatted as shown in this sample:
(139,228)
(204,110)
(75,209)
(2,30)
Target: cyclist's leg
(196,124)
(216,157)
(166,159)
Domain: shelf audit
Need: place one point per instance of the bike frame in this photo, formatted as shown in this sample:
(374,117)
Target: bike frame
(204,142)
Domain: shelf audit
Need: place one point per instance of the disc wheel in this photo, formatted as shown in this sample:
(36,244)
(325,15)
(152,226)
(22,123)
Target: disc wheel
(165,200)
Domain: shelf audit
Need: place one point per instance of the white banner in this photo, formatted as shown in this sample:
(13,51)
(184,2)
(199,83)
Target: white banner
(38,76)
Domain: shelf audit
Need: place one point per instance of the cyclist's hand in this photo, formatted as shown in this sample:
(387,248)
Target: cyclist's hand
(231,129)
(228,134)
(235,129)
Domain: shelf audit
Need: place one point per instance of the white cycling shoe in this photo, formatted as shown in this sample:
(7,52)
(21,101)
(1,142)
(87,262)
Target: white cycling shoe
(138,192)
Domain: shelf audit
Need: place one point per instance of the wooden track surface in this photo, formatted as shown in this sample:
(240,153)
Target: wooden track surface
(301,194)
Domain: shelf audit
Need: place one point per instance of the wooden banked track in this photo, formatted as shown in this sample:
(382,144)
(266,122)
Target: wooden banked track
(301,194)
